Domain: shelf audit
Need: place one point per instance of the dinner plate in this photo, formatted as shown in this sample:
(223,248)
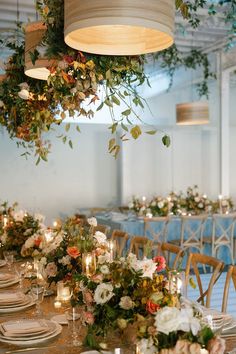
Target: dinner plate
(61,319)
(57,331)
(7,284)
(2,263)
(51,328)
(229,325)
(18,308)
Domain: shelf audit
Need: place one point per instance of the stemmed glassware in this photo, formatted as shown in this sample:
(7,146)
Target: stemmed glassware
(37,293)
(20,272)
(9,258)
(74,324)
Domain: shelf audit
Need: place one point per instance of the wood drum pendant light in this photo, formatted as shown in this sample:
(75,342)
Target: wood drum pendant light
(33,36)
(119,27)
(192,113)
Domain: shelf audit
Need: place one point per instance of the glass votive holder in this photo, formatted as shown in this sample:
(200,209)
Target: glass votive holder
(88,264)
(177,283)
(63,292)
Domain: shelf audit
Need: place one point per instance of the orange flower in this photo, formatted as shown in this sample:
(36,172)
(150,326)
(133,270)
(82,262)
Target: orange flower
(37,242)
(73,252)
(151,307)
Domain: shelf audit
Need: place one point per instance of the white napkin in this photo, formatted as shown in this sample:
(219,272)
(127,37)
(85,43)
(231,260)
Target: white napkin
(23,329)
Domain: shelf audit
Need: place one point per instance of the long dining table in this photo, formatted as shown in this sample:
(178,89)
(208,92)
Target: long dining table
(63,342)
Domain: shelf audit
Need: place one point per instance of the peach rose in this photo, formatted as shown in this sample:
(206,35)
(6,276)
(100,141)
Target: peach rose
(216,345)
(88,317)
(73,252)
(182,347)
(87,297)
(151,307)
(195,348)
(97,278)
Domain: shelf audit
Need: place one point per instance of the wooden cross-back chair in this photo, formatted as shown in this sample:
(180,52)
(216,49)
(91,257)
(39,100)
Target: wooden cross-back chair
(155,228)
(138,246)
(231,274)
(172,253)
(194,260)
(121,238)
(102,228)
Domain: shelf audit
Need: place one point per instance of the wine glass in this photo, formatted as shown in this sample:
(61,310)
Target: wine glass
(37,293)
(9,258)
(74,325)
(20,272)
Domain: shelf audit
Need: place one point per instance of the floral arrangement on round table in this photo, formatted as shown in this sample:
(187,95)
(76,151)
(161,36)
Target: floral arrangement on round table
(18,227)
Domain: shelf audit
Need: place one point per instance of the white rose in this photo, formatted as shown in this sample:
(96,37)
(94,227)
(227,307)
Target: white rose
(103,293)
(51,269)
(189,322)
(197,199)
(131,205)
(126,303)
(160,204)
(92,221)
(224,202)
(100,237)
(168,320)
(24,94)
(200,205)
(103,258)
(39,217)
(153,203)
(147,346)
(104,269)
(29,243)
(1,104)
(65,260)
(18,215)
(148,267)
(24,86)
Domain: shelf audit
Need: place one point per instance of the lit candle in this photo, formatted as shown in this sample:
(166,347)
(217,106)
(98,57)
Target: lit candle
(5,221)
(57,304)
(88,264)
(144,200)
(169,206)
(112,246)
(204,196)
(48,235)
(66,294)
(220,203)
(55,223)
(149,215)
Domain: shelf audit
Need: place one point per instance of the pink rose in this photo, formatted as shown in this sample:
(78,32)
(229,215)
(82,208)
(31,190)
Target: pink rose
(51,269)
(88,297)
(195,348)
(88,317)
(97,278)
(161,263)
(216,345)
(73,252)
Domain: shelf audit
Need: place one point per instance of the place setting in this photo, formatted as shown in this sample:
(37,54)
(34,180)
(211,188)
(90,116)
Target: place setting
(8,279)
(13,301)
(28,332)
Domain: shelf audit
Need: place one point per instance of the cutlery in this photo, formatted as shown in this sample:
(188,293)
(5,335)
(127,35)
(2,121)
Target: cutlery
(28,349)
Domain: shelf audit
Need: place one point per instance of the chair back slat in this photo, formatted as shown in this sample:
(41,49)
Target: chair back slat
(121,238)
(157,233)
(138,246)
(194,260)
(169,249)
(192,231)
(231,274)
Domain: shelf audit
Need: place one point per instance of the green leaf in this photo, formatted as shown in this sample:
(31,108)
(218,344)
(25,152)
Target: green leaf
(108,102)
(64,139)
(166,140)
(115,100)
(124,127)
(136,132)
(78,129)
(151,132)
(70,144)
(127,112)
(111,144)
(38,161)
(67,127)
(100,106)
(192,283)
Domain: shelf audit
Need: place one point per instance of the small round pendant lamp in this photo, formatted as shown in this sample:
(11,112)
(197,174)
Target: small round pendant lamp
(119,27)
(33,36)
(192,113)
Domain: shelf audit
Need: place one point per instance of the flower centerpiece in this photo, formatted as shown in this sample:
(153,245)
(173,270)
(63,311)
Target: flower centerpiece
(62,259)
(175,330)
(140,207)
(119,293)
(20,226)
(160,206)
(195,203)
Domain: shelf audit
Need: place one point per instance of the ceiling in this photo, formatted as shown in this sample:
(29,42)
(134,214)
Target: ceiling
(210,36)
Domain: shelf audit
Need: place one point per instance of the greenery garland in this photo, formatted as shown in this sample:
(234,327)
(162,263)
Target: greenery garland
(30,108)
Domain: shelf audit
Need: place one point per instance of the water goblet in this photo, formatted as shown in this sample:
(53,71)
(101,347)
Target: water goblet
(74,325)
(20,272)
(37,293)
(9,258)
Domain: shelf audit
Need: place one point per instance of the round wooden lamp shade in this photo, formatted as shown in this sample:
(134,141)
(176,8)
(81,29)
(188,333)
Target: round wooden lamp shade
(33,36)
(119,27)
(3,77)
(192,113)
